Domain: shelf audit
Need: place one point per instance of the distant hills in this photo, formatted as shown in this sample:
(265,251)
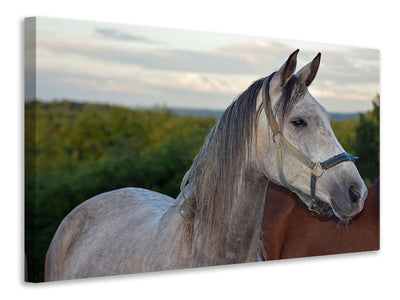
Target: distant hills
(196,112)
(344,116)
(217,113)
(180,111)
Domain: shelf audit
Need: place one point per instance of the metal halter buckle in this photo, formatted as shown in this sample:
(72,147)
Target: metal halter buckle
(314,170)
(277,138)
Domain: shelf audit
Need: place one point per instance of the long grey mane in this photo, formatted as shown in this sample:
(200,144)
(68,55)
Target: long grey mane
(216,170)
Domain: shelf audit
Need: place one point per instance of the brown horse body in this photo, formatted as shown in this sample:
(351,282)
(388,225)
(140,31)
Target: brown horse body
(290,230)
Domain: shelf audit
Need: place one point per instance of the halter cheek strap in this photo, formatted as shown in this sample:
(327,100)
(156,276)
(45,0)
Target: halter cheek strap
(316,168)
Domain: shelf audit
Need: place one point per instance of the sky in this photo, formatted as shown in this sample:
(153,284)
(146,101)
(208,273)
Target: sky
(146,67)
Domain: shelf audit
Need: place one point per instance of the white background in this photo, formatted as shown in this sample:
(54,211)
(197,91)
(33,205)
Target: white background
(354,23)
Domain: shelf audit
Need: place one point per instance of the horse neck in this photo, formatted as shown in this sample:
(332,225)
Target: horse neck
(246,216)
(222,213)
(234,235)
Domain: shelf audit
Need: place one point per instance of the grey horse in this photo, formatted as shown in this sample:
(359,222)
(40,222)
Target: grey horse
(217,217)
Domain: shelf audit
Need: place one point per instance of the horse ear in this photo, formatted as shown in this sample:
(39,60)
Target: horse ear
(307,73)
(287,69)
(282,76)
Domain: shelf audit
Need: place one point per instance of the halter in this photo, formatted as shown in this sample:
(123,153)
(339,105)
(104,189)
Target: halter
(316,168)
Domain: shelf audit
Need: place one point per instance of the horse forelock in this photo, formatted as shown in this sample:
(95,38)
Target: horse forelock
(217,170)
(292,93)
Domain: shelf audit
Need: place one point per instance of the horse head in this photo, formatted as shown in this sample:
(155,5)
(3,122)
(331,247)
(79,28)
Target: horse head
(295,133)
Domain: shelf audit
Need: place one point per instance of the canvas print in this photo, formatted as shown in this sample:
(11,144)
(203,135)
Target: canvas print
(153,149)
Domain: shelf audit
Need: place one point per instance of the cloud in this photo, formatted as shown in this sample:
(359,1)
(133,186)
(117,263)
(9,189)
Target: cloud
(256,52)
(351,66)
(122,36)
(202,83)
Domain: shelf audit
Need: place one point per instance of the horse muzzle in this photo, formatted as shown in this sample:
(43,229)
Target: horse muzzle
(348,202)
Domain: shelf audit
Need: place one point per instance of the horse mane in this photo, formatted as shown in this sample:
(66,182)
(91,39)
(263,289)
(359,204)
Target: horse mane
(218,169)
(214,175)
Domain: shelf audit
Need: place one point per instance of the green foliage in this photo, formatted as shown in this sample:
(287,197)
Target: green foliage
(367,143)
(75,151)
(345,133)
(361,138)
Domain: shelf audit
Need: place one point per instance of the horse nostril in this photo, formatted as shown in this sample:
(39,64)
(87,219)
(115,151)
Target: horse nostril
(354,194)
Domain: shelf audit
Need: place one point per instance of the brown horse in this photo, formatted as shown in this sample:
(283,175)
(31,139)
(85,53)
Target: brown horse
(290,230)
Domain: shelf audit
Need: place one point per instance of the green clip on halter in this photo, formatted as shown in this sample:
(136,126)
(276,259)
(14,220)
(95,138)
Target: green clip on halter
(316,168)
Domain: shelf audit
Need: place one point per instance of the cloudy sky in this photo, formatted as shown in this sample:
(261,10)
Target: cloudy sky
(144,67)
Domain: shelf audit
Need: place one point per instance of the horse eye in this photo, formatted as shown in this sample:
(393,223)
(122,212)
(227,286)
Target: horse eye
(299,123)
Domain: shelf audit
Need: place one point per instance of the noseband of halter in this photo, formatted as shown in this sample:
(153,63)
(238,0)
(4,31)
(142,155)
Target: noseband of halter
(316,168)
